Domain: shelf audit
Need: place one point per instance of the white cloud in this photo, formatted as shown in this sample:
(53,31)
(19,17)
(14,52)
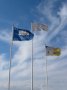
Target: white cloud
(46,11)
(63,11)
(57,23)
(63,15)
(5,36)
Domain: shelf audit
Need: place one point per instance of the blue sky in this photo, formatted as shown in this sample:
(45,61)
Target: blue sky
(22,13)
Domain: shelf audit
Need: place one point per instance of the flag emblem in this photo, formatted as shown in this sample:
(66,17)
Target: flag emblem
(22,34)
(36,26)
(53,51)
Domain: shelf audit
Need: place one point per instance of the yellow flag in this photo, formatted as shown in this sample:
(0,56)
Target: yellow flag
(51,51)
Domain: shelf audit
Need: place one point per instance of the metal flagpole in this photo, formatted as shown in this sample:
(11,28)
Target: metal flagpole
(46,69)
(11,43)
(32,64)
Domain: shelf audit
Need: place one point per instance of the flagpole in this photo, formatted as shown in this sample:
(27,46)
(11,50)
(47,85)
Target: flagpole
(46,69)
(11,43)
(32,63)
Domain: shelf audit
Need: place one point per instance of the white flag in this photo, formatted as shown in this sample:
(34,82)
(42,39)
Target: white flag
(39,27)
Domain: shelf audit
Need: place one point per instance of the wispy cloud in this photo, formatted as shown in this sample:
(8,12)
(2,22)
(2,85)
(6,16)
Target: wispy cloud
(5,36)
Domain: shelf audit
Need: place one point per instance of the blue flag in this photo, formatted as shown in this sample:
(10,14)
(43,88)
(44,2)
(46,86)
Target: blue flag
(22,34)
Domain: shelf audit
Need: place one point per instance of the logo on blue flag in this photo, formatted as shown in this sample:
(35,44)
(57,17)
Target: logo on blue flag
(22,34)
